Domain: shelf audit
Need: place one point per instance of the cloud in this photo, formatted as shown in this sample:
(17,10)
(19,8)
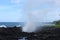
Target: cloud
(35,3)
(57,2)
(16,1)
(30,4)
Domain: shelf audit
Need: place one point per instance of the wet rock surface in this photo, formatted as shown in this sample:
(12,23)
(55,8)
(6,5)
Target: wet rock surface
(13,33)
(16,33)
(46,34)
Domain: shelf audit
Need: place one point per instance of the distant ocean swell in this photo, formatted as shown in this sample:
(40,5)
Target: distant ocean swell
(11,24)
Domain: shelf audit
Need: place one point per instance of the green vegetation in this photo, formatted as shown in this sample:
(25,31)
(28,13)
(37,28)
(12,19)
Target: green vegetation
(57,24)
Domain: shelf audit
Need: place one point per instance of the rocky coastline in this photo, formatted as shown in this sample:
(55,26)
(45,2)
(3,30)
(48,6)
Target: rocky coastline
(15,33)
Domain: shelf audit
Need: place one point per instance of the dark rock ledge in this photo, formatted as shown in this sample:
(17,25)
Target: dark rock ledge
(16,33)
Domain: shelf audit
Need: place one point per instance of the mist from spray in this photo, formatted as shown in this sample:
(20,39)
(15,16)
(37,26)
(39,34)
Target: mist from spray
(32,20)
(39,13)
(30,24)
(37,19)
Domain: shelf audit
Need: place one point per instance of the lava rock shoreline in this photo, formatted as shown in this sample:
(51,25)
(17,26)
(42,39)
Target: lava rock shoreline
(15,33)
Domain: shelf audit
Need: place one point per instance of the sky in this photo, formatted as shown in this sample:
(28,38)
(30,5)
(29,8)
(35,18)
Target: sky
(38,10)
(11,11)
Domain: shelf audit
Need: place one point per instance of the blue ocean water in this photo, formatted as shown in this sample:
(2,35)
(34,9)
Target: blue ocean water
(11,24)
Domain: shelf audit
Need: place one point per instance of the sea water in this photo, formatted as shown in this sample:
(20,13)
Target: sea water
(11,24)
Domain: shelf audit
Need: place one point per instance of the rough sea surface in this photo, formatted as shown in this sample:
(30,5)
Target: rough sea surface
(11,24)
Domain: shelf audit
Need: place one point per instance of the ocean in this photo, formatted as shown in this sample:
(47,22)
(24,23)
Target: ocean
(11,24)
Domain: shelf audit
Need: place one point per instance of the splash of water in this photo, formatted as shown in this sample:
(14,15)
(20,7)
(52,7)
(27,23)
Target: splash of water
(30,24)
(29,27)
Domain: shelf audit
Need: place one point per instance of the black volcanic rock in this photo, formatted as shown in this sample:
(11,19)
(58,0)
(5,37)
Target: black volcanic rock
(15,33)
(10,33)
(46,34)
